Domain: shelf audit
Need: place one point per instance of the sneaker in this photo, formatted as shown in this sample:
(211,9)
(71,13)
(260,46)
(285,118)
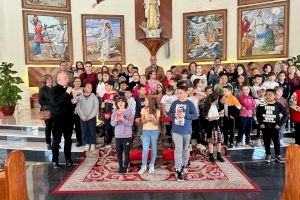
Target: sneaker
(179,176)
(151,170)
(279,160)
(142,170)
(87,147)
(230,145)
(238,144)
(125,169)
(93,147)
(183,169)
(268,159)
(121,171)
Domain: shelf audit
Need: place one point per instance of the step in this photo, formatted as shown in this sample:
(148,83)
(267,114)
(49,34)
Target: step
(31,135)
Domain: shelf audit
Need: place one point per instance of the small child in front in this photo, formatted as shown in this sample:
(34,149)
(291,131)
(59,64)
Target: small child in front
(122,119)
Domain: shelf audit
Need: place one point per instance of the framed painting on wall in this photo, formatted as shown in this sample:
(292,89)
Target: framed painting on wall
(205,35)
(263,31)
(56,5)
(248,2)
(103,39)
(47,37)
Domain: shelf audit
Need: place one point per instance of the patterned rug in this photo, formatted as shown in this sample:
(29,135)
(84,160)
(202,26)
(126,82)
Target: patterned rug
(99,174)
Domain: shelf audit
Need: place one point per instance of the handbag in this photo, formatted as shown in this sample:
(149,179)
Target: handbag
(44,114)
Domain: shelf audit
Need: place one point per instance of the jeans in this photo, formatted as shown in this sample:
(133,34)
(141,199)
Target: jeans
(281,132)
(245,128)
(149,136)
(268,134)
(182,149)
(123,146)
(89,131)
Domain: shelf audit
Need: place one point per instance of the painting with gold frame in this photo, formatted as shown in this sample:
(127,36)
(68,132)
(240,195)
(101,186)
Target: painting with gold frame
(205,35)
(47,37)
(55,5)
(263,31)
(103,39)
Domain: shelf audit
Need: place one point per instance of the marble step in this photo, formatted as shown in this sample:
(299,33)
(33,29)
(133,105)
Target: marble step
(30,135)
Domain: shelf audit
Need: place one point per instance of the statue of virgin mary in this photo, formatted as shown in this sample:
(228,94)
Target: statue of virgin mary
(152,14)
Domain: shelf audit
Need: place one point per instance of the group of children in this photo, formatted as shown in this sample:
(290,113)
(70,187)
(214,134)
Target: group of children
(204,107)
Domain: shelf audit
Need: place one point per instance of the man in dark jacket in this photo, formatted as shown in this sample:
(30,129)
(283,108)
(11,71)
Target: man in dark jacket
(62,112)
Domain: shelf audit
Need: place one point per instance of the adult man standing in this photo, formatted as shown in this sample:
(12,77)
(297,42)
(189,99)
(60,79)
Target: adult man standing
(153,67)
(62,112)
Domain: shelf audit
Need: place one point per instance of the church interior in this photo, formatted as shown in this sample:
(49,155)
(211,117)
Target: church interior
(149,99)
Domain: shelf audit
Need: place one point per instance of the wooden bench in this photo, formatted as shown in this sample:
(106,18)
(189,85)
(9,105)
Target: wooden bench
(13,178)
(292,175)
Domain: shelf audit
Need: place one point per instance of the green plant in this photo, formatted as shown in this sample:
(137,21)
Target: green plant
(9,86)
(297,61)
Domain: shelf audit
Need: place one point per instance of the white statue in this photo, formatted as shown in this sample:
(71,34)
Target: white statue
(152,26)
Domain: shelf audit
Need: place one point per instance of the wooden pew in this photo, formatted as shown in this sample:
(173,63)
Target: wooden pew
(292,175)
(13,178)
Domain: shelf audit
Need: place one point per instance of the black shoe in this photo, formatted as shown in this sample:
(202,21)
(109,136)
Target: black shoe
(219,158)
(230,145)
(183,169)
(125,169)
(120,170)
(78,144)
(211,158)
(49,146)
(56,165)
(179,176)
(69,163)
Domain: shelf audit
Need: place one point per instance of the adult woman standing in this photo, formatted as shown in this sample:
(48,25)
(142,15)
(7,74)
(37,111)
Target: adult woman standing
(45,99)
(76,92)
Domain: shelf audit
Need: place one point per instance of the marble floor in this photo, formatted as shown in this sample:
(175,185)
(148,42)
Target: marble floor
(24,131)
(42,179)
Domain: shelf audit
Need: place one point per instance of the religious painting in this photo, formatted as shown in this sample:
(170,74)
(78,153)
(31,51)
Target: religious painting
(103,39)
(58,5)
(47,37)
(263,31)
(248,2)
(204,35)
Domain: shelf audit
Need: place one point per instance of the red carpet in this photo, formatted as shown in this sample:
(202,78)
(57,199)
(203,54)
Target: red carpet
(100,175)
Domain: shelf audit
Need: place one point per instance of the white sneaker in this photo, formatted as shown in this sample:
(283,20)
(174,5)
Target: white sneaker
(93,147)
(87,147)
(142,170)
(151,170)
